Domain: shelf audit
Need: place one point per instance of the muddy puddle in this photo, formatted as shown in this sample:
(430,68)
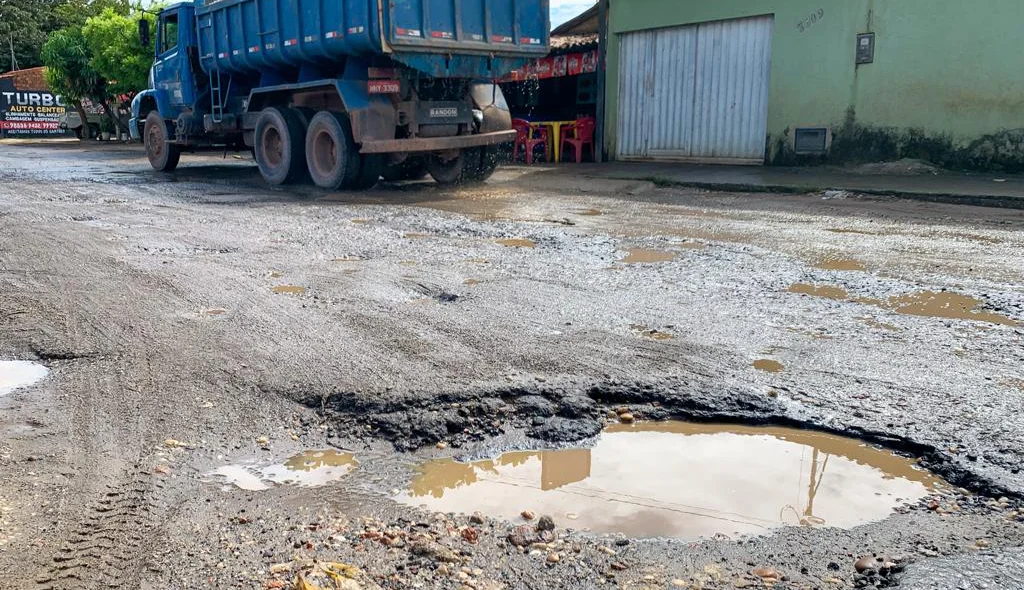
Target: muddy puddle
(645,256)
(840,263)
(684,480)
(307,469)
(289,290)
(651,333)
(933,304)
(826,291)
(769,366)
(517,243)
(18,374)
(943,305)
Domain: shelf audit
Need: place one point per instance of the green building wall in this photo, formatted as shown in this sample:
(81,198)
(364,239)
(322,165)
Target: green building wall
(947,82)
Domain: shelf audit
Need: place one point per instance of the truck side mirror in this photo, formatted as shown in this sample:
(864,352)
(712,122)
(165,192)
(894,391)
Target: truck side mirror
(144,32)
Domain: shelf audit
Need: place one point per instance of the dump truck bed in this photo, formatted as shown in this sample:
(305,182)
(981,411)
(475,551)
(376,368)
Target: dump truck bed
(479,38)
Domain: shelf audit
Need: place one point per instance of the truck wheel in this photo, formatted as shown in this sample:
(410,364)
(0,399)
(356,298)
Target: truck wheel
(279,146)
(331,156)
(446,171)
(480,164)
(163,156)
(79,133)
(412,168)
(370,168)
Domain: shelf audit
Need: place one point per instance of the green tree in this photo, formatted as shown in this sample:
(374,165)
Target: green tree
(69,72)
(26,24)
(117,54)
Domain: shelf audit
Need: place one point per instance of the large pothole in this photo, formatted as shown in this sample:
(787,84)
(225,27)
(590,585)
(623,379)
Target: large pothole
(683,480)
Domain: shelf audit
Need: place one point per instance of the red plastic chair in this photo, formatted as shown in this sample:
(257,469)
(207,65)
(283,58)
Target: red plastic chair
(529,137)
(578,135)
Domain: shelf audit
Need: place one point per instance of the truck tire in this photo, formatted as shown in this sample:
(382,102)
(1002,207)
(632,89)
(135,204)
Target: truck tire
(480,164)
(331,156)
(280,146)
(162,154)
(412,168)
(447,172)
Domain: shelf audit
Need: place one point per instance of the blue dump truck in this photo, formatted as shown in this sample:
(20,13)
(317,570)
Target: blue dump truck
(340,92)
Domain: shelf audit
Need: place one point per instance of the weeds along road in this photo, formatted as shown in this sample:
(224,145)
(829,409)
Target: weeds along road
(200,318)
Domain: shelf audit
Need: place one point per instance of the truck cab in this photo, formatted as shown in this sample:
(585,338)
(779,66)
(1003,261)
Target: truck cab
(173,75)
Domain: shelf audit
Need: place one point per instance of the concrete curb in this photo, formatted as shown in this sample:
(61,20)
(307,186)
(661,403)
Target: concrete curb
(995,201)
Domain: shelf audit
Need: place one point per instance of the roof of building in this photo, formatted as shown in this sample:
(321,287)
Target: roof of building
(28,79)
(584,23)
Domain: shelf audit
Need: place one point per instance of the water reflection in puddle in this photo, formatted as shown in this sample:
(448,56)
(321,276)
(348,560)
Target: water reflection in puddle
(683,480)
(307,469)
(18,374)
(643,256)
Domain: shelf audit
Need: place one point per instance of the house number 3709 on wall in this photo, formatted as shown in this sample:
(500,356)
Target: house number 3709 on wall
(811,20)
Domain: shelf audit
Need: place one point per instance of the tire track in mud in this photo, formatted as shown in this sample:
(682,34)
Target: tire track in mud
(108,545)
(105,519)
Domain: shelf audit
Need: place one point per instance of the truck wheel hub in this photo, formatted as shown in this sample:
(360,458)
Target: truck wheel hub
(325,154)
(273,146)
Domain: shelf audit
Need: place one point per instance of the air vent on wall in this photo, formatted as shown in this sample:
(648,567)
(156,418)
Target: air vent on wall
(810,140)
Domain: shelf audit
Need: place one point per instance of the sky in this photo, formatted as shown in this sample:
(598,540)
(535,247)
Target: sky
(563,10)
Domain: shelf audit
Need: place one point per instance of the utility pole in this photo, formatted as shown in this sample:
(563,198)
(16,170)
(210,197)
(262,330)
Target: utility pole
(14,60)
(602,52)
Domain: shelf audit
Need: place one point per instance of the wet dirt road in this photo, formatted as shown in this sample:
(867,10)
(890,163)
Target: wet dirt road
(200,320)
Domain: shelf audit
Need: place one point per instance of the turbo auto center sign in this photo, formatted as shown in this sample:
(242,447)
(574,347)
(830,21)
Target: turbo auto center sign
(30,113)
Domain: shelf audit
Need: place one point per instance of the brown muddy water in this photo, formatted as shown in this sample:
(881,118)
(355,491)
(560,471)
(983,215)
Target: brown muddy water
(840,263)
(683,480)
(769,366)
(826,291)
(644,256)
(18,374)
(933,304)
(653,334)
(517,243)
(289,289)
(307,469)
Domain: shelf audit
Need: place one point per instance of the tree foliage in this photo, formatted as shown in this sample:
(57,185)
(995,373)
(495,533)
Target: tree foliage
(26,24)
(117,55)
(68,69)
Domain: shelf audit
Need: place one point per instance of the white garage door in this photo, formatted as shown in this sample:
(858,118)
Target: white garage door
(697,92)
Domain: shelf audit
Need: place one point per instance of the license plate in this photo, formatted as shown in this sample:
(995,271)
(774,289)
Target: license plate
(444,113)
(383,87)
